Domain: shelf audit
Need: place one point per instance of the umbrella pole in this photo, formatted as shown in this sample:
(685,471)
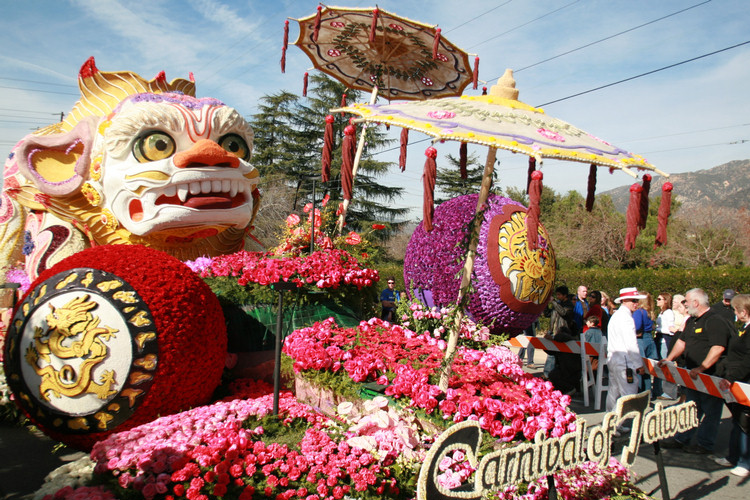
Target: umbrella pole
(450,350)
(357,158)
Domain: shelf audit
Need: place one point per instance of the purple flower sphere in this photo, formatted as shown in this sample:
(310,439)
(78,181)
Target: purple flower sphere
(511,284)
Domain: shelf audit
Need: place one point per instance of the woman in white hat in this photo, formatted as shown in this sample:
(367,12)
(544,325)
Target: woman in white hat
(623,356)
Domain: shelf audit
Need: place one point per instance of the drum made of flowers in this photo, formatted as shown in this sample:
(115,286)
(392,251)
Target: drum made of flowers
(511,283)
(110,338)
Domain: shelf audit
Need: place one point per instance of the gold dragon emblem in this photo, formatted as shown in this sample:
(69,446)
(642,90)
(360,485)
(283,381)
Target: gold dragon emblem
(531,273)
(74,335)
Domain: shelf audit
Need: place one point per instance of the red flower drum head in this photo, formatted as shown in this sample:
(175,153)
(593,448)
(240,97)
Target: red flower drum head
(110,338)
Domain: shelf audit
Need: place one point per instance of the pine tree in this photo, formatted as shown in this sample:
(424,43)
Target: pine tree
(449,183)
(370,199)
(272,126)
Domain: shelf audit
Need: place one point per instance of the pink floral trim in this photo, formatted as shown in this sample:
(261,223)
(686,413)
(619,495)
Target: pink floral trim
(549,134)
(441,115)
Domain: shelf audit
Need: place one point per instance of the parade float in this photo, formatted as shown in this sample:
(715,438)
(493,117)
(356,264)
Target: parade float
(118,348)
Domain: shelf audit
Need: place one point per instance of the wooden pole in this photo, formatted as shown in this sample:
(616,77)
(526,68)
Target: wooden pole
(357,158)
(484,191)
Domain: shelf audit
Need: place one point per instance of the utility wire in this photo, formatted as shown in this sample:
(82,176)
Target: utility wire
(30,120)
(36,81)
(606,38)
(740,141)
(686,133)
(525,24)
(644,74)
(38,90)
(480,15)
(28,111)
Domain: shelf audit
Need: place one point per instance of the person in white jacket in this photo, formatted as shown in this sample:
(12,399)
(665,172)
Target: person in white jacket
(623,357)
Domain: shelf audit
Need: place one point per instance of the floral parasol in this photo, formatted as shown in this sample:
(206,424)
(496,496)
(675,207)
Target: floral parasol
(500,120)
(368,48)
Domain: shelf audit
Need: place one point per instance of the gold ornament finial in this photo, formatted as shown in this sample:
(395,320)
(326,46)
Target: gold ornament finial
(505,87)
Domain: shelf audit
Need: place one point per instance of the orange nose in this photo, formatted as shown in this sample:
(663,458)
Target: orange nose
(205,153)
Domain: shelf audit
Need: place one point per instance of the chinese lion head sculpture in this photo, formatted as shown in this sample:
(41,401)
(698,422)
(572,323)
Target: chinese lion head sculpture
(135,162)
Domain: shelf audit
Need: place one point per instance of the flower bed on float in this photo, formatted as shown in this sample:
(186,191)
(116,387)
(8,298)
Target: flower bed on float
(331,266)
(328,268)
(338,266)
(234,449)
(488,386)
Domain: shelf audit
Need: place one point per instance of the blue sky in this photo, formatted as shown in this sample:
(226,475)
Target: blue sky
(690,117)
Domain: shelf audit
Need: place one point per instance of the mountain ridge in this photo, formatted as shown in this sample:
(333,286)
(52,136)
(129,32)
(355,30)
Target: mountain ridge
(725,186)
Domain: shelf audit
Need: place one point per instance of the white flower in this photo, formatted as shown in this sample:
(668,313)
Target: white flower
(73,474)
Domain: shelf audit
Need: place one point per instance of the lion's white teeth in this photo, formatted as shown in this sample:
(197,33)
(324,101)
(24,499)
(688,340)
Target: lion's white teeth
(216,186)
(206,187)
(170,190)
(226,185)
(234,188)
(182,192)
(195,188)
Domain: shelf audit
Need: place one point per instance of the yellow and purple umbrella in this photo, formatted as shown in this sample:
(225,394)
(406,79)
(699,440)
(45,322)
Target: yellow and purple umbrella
(500,121)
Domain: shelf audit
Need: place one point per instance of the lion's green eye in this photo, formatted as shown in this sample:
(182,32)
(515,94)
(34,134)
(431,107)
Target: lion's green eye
(153,146)
(235,145)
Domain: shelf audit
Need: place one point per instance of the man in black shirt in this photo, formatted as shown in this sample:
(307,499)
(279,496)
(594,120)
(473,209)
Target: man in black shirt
(703,341)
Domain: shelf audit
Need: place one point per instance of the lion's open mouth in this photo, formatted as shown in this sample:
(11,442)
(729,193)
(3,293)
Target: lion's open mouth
(210,201)
(201,195)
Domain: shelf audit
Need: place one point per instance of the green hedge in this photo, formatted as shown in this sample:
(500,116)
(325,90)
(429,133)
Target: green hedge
(673,280)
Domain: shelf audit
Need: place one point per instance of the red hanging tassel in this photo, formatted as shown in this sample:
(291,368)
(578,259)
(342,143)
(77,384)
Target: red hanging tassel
(532,169)
(304,85)
(374,24)
(347,161)
(316,28)
(665,206)
(532,214)
(591,188)
(428,181)
(643,215)
(327,148)
(484,90)
(633,215)
(462,160)
(435,44)
(475,73)
(284,47)
(343,103)
(402,148)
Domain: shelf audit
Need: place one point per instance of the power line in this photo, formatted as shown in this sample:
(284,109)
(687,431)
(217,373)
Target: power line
(732,143)
(526,23)
(264,40)
(687,133)
(36,81)
(39,90)
(607,38)
(644,74)
(480,15)
(22,121)
(28,111)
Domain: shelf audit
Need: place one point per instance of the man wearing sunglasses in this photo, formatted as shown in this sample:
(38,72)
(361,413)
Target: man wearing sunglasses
(388,299)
